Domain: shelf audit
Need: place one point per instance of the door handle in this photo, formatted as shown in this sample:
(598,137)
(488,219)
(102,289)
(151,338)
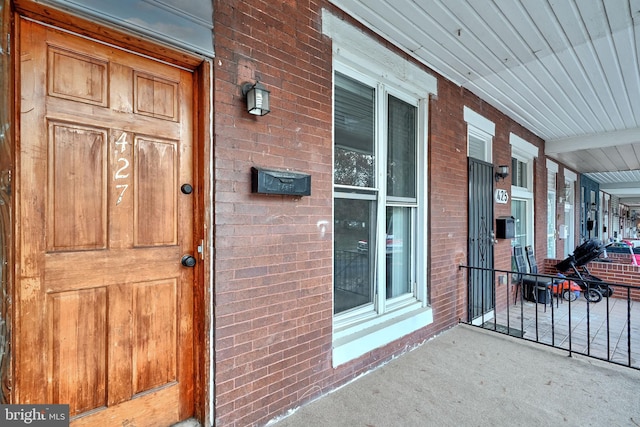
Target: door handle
(188,261)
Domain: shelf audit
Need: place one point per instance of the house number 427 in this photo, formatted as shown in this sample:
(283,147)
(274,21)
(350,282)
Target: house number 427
(122,164)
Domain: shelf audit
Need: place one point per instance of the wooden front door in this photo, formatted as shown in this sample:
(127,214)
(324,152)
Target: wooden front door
(104,307)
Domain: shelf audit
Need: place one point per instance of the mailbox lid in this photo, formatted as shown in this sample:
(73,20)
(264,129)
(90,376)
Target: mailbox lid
(505,227)
(274,181)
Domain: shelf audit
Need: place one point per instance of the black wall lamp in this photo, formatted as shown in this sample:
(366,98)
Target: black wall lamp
(502,172)
(257,97)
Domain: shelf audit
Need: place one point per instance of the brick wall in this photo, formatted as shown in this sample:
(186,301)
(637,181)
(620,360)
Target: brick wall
(273,259)
(448,189)
(623,273)
(273,254)
(502,156)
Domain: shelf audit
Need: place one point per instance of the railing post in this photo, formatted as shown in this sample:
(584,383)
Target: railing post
(509,281)
(570,327)
(629,327)
(609,355)
(588,325)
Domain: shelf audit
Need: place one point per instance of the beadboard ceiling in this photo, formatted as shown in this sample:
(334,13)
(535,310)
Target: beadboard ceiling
(568,70)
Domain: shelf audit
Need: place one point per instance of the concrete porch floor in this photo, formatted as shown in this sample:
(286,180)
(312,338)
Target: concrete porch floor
(467,376)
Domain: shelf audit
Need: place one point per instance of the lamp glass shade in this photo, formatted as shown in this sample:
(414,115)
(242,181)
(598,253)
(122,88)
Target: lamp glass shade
(502,172)
(258,100)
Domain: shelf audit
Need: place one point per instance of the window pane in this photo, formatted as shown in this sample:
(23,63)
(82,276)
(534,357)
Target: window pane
(519,212)
(551,214)
(477,148)
(354,161)
(569,217)
(519,171)
(354,253)
(551,181)
(401,149)
(398,247)
(551,224)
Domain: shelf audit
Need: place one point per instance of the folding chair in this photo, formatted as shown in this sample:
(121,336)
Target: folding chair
(531,286)
(533,269)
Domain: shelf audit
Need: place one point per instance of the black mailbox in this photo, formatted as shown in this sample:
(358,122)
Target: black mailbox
(505,227)
(271,181)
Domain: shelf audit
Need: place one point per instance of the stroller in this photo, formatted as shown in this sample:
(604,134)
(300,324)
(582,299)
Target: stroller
(593,287)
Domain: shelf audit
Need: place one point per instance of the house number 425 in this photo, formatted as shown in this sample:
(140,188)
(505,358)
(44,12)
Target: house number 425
(501,196)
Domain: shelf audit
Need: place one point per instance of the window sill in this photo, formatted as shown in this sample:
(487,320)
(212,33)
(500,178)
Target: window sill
(354,342)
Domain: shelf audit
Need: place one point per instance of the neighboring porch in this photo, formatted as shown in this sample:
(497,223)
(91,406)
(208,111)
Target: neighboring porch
(553,326)
(606,328)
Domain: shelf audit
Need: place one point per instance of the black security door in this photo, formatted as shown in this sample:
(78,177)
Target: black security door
(589,198)
(480,245)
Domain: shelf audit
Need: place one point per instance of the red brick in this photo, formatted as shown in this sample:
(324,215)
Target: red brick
(273,267)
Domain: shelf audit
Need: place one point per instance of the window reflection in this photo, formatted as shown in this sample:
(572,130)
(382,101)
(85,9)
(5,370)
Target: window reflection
(354,239)
(398,247)
(354,161)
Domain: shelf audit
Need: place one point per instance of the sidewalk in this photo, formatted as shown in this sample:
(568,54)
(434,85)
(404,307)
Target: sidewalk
(471,377)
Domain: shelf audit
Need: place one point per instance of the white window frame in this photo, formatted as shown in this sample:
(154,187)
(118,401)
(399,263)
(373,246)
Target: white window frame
(525,152)
(570,179)
(552,176)
(481,128)
(359,56)
(604,220)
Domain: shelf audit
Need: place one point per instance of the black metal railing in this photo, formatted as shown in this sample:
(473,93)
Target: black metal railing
(536,307)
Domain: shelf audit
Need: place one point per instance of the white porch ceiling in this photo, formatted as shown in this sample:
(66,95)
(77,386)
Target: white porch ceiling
(568,70)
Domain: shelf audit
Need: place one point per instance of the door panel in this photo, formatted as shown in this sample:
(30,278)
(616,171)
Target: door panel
(104,309)
(154,343)
(155,201)
(77,196)
(77,344)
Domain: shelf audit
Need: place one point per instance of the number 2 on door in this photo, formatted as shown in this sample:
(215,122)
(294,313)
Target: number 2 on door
(123,163)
